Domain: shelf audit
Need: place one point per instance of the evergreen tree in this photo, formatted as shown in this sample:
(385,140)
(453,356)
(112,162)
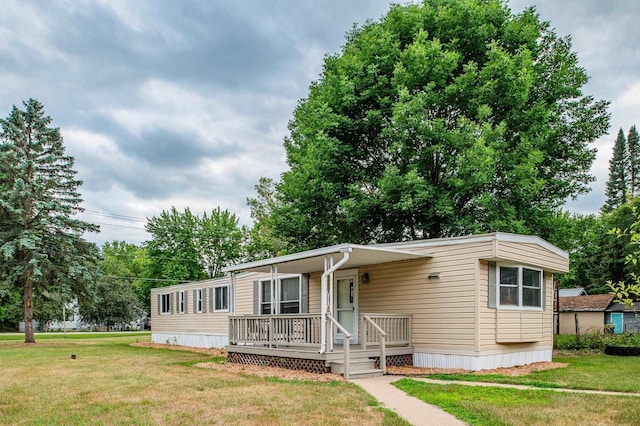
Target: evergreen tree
(617,184)
(633,151)
(41,243)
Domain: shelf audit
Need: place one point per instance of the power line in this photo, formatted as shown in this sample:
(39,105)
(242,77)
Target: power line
(115,216)
(149,279)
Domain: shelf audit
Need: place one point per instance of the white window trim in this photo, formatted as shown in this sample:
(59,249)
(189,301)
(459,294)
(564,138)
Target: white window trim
(520,306)
(199,300)
(275,303)
(215,297)
(162,310)
(182,306)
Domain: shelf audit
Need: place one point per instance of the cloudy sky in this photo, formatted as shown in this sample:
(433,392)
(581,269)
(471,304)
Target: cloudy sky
(186,103)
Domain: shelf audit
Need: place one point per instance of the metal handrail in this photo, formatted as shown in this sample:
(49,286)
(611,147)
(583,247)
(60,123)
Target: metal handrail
(383,337)
(346,344)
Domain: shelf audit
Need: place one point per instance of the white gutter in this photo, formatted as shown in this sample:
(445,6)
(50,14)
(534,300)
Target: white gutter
(325,302)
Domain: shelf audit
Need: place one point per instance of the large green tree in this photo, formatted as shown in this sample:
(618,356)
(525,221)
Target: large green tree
(122,293)
(618,183)
(186,247)
(41,244)
(443,118)
(262,242)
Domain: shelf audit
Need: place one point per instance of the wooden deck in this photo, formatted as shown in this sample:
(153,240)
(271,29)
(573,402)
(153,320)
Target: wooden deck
(293,341)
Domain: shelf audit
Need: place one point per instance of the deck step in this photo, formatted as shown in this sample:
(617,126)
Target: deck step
(362,374)
(355,365)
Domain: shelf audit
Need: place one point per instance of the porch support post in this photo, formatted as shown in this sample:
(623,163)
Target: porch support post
(277,290)
(328,271)
(272,286)
(232,296)
(323,307)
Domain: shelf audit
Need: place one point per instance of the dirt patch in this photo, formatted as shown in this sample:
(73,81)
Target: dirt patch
(213,351)
(518,370)
(275,372)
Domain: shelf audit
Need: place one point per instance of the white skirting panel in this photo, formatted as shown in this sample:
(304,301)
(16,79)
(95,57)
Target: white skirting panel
(480,362)
(195,340)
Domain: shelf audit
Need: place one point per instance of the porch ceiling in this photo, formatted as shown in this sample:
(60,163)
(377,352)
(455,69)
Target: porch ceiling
(313,260)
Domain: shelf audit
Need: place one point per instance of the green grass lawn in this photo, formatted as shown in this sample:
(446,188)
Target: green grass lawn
(592,371)
(500,406)
(111,382)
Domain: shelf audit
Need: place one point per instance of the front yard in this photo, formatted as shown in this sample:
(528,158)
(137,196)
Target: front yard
(112,382)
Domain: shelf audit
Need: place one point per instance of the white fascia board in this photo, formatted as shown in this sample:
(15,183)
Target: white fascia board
(497,236)
(340,248)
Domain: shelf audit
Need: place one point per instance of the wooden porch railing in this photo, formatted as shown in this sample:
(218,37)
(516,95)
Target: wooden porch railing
(346,345)
(397,328)
(274,330)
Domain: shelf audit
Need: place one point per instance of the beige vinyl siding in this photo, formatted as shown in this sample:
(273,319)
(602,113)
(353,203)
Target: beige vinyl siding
(315,284)
(443,309)
(532,254)
(206,322)
(244,292)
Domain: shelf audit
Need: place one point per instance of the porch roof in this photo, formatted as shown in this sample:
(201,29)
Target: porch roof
(313,260)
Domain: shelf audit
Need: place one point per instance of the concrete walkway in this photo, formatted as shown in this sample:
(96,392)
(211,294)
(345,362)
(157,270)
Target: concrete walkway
(411,409)
(420,413)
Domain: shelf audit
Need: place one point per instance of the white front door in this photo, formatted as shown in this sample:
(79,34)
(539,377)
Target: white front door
(346,305)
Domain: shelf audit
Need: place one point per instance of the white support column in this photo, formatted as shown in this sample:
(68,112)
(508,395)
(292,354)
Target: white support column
(276,296)
(328,272)
(272,287)
(323,307)
(232,293)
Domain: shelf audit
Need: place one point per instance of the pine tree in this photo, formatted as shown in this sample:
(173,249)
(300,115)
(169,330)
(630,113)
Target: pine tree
(633,150)
(41,243)
(617,185)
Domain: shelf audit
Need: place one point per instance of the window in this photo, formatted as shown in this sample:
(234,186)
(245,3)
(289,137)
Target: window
(199,302)
(165,304)
(221,298)
(265,297)
(520,286)
(290,296)
(181,302)
(288,293)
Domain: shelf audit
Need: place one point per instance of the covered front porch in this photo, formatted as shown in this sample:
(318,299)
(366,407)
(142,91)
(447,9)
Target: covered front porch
(340,338)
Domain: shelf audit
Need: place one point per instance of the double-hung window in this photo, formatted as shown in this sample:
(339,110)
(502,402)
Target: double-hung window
(182,303)
(199,302)
(282,297)
(221,296)
(165,303)
(520,286)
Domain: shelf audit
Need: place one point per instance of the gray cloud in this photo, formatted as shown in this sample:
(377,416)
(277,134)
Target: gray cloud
(186,103)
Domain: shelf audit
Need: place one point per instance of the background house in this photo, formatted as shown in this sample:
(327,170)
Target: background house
(623,318)
(583,314)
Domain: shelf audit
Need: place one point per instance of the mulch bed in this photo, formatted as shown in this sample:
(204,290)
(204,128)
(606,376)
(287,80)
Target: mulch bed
(286,374)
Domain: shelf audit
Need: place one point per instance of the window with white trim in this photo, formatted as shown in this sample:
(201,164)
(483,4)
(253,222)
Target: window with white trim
(181,302)
(520,286)
(199,300)
(221,296)
(165,303)
(289,291)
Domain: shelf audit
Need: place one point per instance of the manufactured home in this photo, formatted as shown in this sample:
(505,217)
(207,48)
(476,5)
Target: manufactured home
(474,302)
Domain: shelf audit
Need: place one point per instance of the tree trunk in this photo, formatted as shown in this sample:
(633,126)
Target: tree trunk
(28,312)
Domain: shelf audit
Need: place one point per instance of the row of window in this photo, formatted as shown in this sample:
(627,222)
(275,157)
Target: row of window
(218,300)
